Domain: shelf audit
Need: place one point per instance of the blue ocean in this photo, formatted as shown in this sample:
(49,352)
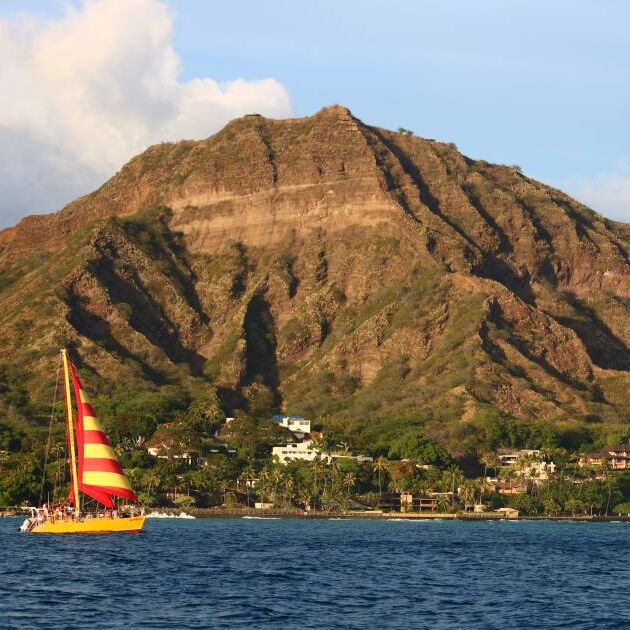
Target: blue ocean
(250,573)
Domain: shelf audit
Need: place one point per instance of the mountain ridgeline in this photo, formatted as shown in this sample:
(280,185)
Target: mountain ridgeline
(371,279)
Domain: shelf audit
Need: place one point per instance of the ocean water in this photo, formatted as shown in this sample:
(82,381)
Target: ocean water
(248,573)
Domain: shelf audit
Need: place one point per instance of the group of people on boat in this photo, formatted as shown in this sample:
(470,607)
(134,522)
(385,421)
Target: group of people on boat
(61,512)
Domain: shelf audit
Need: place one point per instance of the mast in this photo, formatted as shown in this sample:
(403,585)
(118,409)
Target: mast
(73,457)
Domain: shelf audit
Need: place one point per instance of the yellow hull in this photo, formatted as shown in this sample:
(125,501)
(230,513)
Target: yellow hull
(91,526)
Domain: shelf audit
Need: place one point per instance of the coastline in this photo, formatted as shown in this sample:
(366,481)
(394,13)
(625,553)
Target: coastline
(366,515)
(377,515)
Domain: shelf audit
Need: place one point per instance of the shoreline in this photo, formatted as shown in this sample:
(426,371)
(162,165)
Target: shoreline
(376,515)
(367,515)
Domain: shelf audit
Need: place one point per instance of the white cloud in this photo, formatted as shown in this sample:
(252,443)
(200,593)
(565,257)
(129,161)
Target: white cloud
(607,193)
(81,94)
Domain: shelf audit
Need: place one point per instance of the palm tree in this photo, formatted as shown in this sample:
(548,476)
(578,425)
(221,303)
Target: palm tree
(468,491)
(606,468)
(276,477)
(482,487)
(523,464)
(153,480)
(490,461)
(453,476)
(317,467)
(509,474)
(486,460)
(289,489)
(442,502)
(264,477)
(248,476)
(533,475)
(349,479)
(380,466)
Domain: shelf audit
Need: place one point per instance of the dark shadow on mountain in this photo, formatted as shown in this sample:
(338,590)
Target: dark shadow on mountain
(146,316)
(99,331)
(261,363)
(494,268)
(605,349)
(166,248)
(426,196)
(495,315)
(505,245)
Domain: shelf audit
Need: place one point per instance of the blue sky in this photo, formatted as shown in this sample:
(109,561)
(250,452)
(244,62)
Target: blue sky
(539,84)
(542,84)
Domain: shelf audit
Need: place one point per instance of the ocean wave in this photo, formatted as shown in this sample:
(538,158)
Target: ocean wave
(166,515)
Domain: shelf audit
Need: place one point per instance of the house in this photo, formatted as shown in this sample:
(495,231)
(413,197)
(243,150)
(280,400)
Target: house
(511,457)
(174,441)
(162,451)
(426,504)
(296,424)
(508,512)
(507,486)
(530,464)
(596,458)
(406,502)
(389,502)
(616,457)
(503,486)
(420,504)
(298,451)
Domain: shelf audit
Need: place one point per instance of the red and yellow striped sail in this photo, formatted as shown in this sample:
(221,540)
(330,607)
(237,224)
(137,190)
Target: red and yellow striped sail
(99,473)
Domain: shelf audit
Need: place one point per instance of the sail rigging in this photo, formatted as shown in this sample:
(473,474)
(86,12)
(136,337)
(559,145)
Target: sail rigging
(98,473)
(94,471)
(70,430)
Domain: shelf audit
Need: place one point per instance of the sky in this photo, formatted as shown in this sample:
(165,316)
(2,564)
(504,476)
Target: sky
(85,85)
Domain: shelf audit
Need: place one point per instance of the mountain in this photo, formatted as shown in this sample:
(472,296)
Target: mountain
(320,265)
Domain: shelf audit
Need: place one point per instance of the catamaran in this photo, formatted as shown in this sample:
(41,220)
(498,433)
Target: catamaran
(94,471)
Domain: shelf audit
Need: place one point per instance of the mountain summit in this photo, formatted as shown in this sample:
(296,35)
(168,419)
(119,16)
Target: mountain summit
(324,266)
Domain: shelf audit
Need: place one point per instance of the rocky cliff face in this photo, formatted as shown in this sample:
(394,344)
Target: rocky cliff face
(326,266)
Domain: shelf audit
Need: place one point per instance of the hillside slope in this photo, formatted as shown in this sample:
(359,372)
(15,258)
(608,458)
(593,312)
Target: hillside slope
(325,266)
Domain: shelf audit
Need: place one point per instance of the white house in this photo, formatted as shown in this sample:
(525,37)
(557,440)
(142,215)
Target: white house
(163,452)
(296,424)
(529,463)
(510,458)
(298,451)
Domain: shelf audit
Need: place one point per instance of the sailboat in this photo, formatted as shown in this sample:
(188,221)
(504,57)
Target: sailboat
(94,471)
